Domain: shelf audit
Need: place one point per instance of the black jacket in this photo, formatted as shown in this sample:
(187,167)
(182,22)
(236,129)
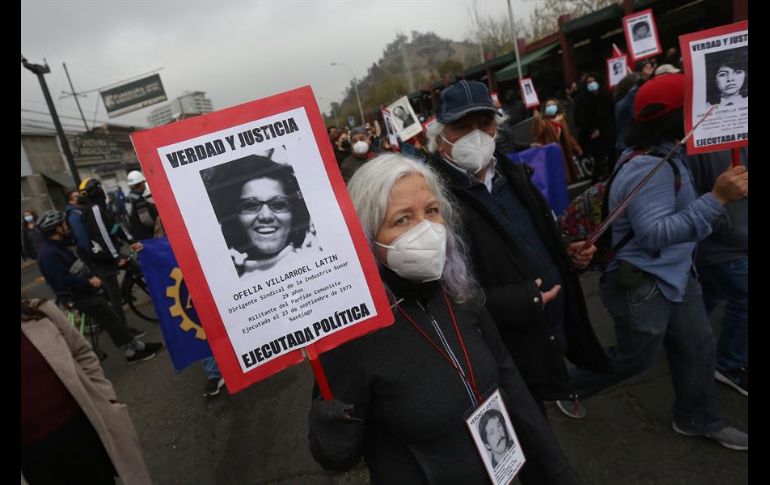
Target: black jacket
(512,297)
(142,215)
(409,404)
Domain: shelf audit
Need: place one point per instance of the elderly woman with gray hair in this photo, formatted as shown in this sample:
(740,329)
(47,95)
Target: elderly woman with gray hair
(403,393)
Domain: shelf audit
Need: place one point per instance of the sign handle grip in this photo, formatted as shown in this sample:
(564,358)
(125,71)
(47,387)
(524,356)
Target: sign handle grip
(736,157)
(318,371)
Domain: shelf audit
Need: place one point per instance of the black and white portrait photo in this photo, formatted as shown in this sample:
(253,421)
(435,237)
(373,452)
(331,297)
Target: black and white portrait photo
(404,118)
(640,31)
(727,77)
(261,212)
(495,435)
(617,68)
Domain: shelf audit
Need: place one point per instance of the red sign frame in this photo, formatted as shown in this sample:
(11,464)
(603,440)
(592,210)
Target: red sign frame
(146,144)
(684,43)
(629,40)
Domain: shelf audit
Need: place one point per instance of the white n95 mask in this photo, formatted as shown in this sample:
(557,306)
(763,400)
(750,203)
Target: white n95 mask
(360,147)
(419,253)
(473,151)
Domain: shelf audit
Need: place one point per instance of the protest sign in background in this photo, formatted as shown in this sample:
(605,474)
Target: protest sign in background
(716,74)
(641,35)
(404,119)
(259,312)
(528,93)
(617,69)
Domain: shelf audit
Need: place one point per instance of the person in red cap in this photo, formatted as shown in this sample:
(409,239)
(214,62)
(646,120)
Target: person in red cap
(650,287)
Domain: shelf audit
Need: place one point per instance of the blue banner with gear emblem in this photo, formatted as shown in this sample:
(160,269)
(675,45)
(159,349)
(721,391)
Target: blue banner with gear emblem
(184,336)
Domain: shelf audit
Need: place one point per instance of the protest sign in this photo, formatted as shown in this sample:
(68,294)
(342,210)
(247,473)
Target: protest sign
(617,69)
(641,35)
(264,231)
(404,119)
(528,93)
(716,67)
(392,136)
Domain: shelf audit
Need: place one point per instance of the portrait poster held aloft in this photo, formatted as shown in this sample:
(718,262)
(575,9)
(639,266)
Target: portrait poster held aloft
(263,229)
(716,67)
(641,35)
(617,69)
(528,93)
(404,119)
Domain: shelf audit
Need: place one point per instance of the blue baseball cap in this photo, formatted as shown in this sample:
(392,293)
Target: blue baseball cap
(462,98)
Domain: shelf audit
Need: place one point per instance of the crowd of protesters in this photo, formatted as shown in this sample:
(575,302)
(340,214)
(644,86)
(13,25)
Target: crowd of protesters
(485,289)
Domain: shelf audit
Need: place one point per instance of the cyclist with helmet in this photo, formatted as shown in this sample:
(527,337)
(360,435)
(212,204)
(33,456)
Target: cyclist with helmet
(104,240)
(142,213)
(74,283)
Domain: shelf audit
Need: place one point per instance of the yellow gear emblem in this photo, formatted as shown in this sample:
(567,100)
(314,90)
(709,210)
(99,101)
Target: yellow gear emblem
(177,309)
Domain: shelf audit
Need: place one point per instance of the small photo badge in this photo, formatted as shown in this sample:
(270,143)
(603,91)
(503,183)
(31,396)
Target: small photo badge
(495,440)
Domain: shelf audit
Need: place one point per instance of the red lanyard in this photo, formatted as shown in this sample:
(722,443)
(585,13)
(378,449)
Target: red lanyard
(442,352)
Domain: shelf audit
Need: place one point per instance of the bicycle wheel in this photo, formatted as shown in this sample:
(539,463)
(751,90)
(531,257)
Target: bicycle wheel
(138,299)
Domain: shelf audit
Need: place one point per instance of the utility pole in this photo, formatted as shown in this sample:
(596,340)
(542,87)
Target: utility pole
(39,71)
(75,95)
(515,40)
(355,88)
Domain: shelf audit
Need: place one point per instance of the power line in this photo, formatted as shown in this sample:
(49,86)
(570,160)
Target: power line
(71,126)
(60,116)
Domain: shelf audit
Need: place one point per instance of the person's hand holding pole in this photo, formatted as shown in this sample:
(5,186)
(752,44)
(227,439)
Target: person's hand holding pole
(579,254)
(731,185)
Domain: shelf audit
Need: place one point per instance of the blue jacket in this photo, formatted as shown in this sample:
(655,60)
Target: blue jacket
(75,221)
(55,261)
(667,224)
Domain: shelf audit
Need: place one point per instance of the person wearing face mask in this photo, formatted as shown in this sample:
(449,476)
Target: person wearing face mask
(550,126)
(362,152)
(650,287)
(31,239)
(594,116)
(527,271)
(401,393)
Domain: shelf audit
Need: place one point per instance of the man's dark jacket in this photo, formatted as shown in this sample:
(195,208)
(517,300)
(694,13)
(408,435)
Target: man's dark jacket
(512,297)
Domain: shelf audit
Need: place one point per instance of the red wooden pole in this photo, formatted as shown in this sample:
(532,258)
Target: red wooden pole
(318,371)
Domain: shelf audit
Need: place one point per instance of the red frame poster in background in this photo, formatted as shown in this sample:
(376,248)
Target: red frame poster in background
(727,126)
(529,103)
(311,295)
(627,21)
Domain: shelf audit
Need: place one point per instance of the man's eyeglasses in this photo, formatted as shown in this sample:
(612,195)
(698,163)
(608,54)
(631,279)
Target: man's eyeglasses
(252,205)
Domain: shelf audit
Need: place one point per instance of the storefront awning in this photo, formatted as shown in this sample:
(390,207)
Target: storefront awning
(62,178)
(511,72)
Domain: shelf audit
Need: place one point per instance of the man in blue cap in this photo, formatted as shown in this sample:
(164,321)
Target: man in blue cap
(528,273)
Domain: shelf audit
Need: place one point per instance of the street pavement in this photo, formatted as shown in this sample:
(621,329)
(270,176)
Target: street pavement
(259,436)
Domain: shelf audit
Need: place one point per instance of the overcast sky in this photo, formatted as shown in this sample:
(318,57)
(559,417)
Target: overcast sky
(235,51)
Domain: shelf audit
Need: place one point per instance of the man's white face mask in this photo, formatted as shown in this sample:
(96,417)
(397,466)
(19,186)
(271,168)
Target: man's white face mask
(473,151)
(419,253)
(360,147)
